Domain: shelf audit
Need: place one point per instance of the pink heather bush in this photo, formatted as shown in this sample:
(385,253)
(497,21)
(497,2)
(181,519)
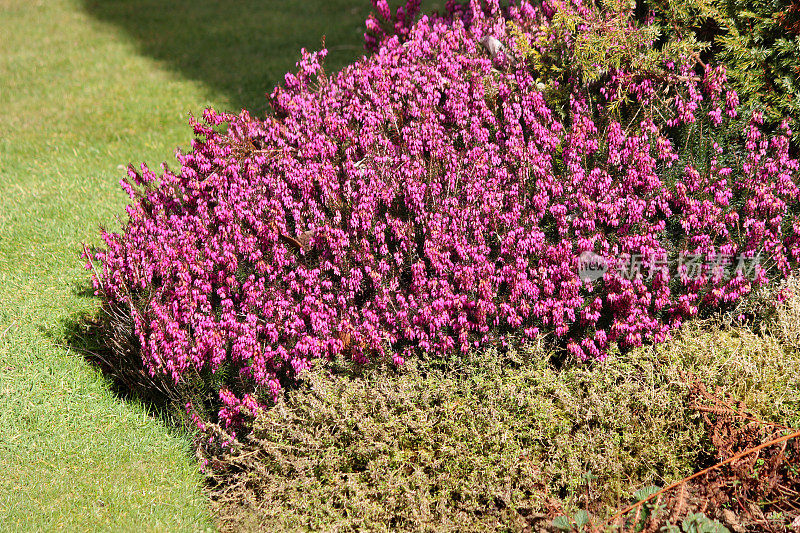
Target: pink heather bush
(431,198)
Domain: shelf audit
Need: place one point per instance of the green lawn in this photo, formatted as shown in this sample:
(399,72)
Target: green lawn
(85,88)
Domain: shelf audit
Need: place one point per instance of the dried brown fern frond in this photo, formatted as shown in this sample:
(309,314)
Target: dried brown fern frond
(757,470)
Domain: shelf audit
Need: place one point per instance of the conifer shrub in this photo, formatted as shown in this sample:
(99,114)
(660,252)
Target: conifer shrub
(758,41)
(440,196)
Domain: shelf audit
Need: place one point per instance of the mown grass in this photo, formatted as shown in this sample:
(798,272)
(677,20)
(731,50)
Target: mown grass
(86,87)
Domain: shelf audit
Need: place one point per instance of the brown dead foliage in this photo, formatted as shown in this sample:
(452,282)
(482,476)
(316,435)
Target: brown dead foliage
(754,485)
(390,454)
(789,19)
(761,484)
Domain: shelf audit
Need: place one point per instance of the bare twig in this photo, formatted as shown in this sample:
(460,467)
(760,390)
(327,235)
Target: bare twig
(739,455)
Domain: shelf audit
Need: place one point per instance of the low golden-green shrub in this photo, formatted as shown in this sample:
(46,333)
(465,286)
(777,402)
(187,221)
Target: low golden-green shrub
(493,442)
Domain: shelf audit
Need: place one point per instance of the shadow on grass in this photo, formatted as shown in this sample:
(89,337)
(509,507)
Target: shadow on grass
(241,49)
(105,339)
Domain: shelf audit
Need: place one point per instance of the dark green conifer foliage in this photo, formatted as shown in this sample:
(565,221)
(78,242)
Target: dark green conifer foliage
(758,40)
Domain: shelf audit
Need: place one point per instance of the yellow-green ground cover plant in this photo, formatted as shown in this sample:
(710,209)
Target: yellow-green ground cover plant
(496,441)
(373,301)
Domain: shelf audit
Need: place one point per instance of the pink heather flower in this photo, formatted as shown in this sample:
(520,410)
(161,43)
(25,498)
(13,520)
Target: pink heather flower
(428,198)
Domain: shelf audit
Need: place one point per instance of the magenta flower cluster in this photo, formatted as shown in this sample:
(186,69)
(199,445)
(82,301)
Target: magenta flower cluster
(429,198)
